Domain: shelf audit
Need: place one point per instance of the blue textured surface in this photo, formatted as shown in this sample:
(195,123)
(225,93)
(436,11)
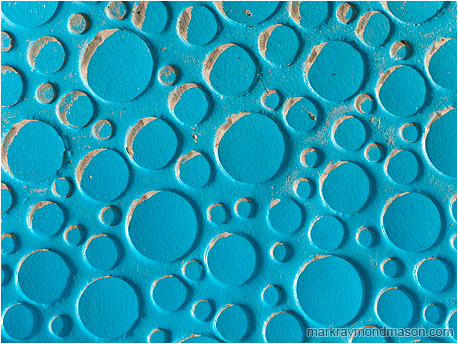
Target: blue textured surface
(233,172)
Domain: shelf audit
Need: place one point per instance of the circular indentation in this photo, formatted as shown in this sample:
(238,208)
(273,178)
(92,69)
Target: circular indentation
(391,267)
(279,252)
(151,143)
(285,216)
(197,25)
(116,10)
(102,129)
(118,77)
(7,198)
(366,237)
(373,28)
(192,270)
(394,307)
(326,233)
(270,100)
(336,278)
(32,138)
(400,50)
(62,187)
(60,325)
(9,243)
(346,13)
(6,275)
(279,45)
(110,215)
(161,225)
(230,258)
(74,235)
(43,276)
(300,114)
(452,323)
(193,169)
(78,23)
(244,207)
(29,14)
(169,293)
(367,334)
(158,335)
(189,103)
(217,214)
(374,152)
(452,206)
(75,109)
(410,132)
(246,12)
(303,188)
(45,93)
(402,166)
(345,187)
(102,175)
(19,321)
(349,133)
(399,97)
(272,295)
(453,241)
(250,147)
(168,75)
(12,86)
(46,55)
(415,12)
(202,310)
(439,141)
(101,252)
(45,218)
(364,103)
(433,313)
(108,307)
(441,63)
(229,70)
(283,327)
(335,70)
(411,221)
(149,17)
(231,323)
(7,41)
(308,15)
(432,274)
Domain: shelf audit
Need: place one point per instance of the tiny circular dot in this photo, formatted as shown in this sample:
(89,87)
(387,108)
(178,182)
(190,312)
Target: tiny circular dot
(283,327)
(433,313)
(46,218)
(78,23)
(391,267)
(202,310)
(46,93)
(60,325)
(402,166)
(244,208)
(9,243)
(326,233)
(346,13)
(74,235)
(374,152)
(158,335)
(19,321)
(110,216)
(75,109)
(400,50)
(432,274)
(270,100)
(364,103)
(366,237)
(102,129)
(300,114)
(116,10)
(231,323)
(349,133)
(6,275)
(394,307)
(62,187)
(410,132)
(279,252)
(303,188)
(168,75)
(169,293)
(192,270)
(272,295)
(217,214)
(7,198)
(285,216)
(102,252)
(7,41)
(310,157)
(46,55)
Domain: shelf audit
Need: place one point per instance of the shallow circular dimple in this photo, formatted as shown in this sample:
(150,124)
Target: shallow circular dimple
(349,133)
(7,41)
(193,169)
(285,216)
(62,187)
(367,334)
(411,221)
(244,207)
(394,307)
(270,100)
(272,295)
(410,132)
(149,17)
(46,55)
(453,241)
(283,327)
(345,187)
(161,225)
(101,252)
(279,252)
(197,25)
(19,320)
(102,175)
(7,198)
(43,276)
(326,233)
(6,274)
(78,23)
(45,218)
(202,310)
(29,13)
(108,307)
(116,10)
(168,75)
(364,103)
(439,141)
(158,335)
(45,93)
(452,323)
(433,313)
(74,235)
(110,215)
(217,214)
(192,270)
(374,152)
(229,70)
(400,50)
(102,129)
(75,109)
(250,147)
(118,77)
(440,63)
(415,12)
(189,103)
(402,166)
(303,188)
(391,267)
(401,90)
(230,258)
(336,278)
(151,143)
(231,323)
(12,86)
(300,114)
(308,14)
(334,70)
(346,13)
(279,45)
(169,293)
(246,12)
(9,243)
(60,325)
(432,274)
(373,28)
(366,237)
